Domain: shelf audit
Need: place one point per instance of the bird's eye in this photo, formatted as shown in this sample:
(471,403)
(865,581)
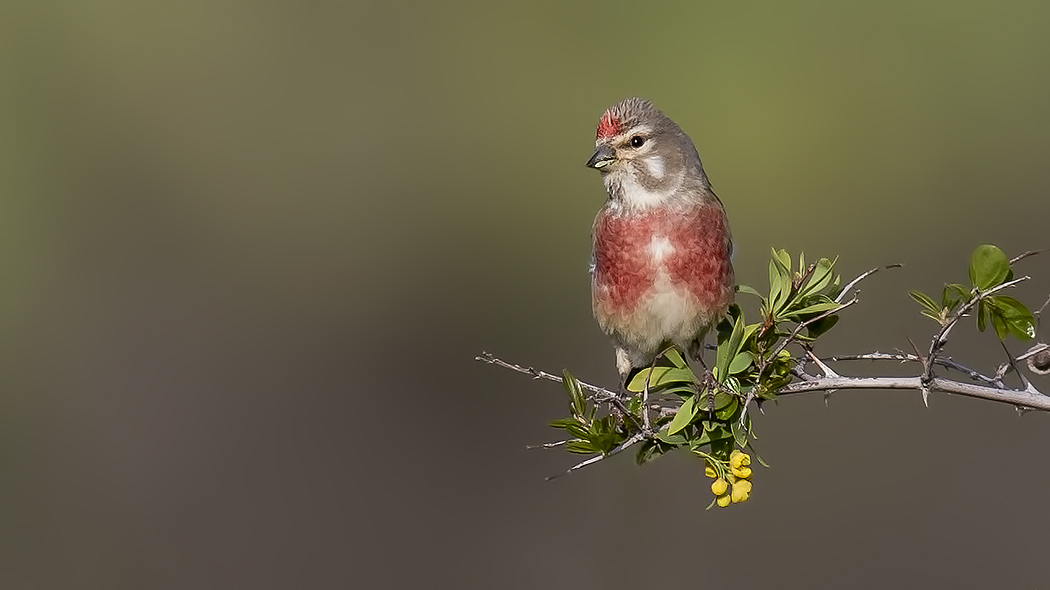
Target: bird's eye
(637,141)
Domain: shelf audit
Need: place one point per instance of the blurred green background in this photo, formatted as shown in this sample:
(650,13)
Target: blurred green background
(250,250)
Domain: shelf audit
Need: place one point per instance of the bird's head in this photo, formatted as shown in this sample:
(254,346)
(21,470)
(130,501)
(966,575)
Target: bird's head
(644,157)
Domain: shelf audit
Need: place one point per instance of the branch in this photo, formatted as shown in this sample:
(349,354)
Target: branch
(1025,399)
(942,336)
(592,460)
(600,393)
(1033,351)
(1025,255)
(863,276)
(903,357)
(791,337)
(1029,398)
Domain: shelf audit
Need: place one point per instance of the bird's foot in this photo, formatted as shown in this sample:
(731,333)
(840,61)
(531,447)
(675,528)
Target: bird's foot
(709,385)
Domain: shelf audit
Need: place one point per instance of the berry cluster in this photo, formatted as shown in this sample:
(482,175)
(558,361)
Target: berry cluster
(732,479)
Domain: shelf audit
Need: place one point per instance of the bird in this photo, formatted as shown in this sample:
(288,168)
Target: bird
(661,265)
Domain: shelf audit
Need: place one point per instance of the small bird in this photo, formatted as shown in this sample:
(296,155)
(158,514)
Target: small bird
(661,269)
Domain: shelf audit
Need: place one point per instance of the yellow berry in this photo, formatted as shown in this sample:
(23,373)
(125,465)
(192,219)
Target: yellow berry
(723,501)
(742,472)
(741,490)
(719,487)
(710,471)
(739,459)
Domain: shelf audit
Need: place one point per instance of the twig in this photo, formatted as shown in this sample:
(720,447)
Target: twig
(1043,306)
(1033,351)
(863,276)
(601,394)
(799,328)
(592,460)
(1029,399)
(1020,257)
(942,336)
(550,445)
(828,372)
(903,357)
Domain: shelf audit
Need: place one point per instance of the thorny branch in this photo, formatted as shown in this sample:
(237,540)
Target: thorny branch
(863,276)
(600,394)
(990,387)
(623,447)
(995,391)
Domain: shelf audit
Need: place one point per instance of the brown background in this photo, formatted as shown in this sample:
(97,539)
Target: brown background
(249,252)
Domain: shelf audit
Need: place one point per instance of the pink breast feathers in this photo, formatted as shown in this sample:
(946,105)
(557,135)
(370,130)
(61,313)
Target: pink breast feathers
(701,258)
(625,267)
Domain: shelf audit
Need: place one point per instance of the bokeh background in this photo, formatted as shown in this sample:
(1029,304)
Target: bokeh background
(249,252)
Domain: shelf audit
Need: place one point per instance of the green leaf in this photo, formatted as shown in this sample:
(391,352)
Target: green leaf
(651,449)
(671,439)
(577,401)
(819,327)
(1021,329)
(680,390)
(573,426)
(661,377)
(1000,325)
(982,315)
(815,308)
(581,447)
(740,362)
(1015,316)
(727,412)
(755,454)
(952,294)
(675,357)
(718,401)
(578,430)
(711,431)
(749,330)
(683,417)
(924,300)
(776,285)
(634,405)
(779,280)
(740,432)
(728,349)
(748,290)
(821,278)
(563,423)
(989,267)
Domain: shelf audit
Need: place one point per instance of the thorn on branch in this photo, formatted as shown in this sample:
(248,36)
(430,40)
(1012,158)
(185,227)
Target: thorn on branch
(1020,257)
(592,460)
(600,393)
(550,445)
(863,276)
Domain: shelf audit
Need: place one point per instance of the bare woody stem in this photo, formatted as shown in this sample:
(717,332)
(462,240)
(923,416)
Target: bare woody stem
(1027,399)
(1023,399)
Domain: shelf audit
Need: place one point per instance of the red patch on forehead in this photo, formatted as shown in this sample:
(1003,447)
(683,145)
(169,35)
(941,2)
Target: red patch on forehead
(608,125)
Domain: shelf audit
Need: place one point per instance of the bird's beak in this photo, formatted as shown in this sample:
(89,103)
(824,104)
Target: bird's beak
(602,157)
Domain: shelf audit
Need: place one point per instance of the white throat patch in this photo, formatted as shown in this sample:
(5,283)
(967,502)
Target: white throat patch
(635,195)
(655,165)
